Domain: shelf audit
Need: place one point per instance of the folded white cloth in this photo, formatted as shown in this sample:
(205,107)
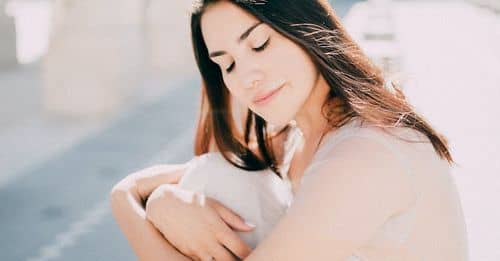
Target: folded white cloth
(260,197)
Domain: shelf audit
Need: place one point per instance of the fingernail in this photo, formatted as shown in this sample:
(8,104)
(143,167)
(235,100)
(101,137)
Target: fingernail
(250,224)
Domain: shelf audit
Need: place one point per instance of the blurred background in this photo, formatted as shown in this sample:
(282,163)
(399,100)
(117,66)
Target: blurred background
(93,90)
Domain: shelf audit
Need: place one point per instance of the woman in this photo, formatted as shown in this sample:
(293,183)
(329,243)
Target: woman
(371,178)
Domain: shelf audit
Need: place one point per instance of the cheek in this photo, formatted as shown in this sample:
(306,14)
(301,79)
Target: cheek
(294,63)
(235,91)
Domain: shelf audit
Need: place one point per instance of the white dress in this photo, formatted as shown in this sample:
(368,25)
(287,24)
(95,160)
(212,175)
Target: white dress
(432,228)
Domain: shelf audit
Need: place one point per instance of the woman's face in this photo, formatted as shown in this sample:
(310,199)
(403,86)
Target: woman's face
(262,69)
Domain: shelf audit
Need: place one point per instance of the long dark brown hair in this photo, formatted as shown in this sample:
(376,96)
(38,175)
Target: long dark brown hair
(352,78)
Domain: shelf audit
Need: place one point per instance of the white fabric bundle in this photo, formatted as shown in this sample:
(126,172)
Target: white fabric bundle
(260,197)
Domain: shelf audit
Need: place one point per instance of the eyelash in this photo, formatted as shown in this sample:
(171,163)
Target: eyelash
(257,49)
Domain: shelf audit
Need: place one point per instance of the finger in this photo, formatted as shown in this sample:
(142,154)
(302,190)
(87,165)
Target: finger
(231,218)
(232,241)
(205,257)
(220,253)
(189,254)
(193,257)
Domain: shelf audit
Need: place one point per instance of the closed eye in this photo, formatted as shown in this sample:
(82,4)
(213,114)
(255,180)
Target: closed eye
(262,47)
(230,68)
(257,49)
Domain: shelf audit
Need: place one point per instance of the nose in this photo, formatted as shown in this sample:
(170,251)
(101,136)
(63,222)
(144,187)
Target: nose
(252,73)
(253,79)
(253,84)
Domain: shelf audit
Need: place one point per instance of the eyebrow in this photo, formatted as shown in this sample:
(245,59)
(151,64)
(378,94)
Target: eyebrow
(242,37)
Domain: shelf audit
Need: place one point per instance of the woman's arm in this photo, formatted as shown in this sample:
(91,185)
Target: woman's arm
(127,204)
(340,206)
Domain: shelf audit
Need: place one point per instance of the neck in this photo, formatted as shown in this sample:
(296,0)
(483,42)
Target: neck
(310,119)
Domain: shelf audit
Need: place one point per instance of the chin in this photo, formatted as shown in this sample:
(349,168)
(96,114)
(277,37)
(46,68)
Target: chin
(278,122)
(276,116)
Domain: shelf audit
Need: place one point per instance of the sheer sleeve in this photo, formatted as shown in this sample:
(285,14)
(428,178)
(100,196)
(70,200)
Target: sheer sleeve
(343,201)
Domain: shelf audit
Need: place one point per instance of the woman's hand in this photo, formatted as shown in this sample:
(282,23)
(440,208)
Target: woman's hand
(127,203)
(197,225)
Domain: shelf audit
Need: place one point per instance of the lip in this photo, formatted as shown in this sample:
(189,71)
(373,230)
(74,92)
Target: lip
(260,99)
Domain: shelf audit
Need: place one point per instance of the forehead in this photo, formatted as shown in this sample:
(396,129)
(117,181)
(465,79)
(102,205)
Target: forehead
(222,24)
